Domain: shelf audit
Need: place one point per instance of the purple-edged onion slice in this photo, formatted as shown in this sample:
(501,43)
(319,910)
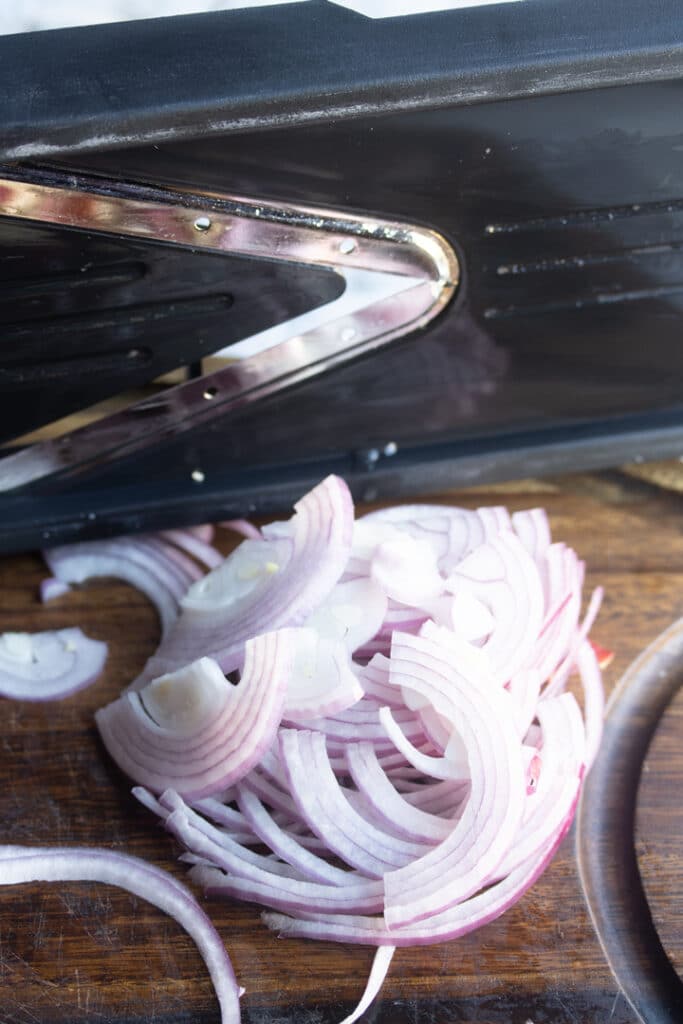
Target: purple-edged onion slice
(264,584)
(192,730)
(48,665)
(20,864)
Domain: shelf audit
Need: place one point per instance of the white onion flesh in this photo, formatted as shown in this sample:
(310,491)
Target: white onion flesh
(49,665)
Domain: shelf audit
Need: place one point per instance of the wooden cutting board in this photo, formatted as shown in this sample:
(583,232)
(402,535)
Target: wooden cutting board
(77,953)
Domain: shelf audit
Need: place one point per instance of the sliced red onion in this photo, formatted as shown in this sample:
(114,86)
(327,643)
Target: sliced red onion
(594,698)
(192,730)
(427,764)
(452,532)
(264,584)
(135,562)
(464,614)
(533,529)
(205,531)
(561,675)
(218,848)
(48,665)
(450,924)
(51,588)
(524,688)
(556,792)
(352,613)
(285,845)
(374,678)
(243,527)
(561,573)
(322,681)
(330,815)
(378,972)
(360,724)
(172,561)
(458,866)
(83,864)
(407,571)
(502,575)
(389,805)
(458,700)
(200,549)
(361,896)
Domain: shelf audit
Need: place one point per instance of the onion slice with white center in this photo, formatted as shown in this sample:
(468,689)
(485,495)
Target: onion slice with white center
(353,612)
(264,584)
(208,733)
(50,665)
(322,681)
(20,864)
(407,571)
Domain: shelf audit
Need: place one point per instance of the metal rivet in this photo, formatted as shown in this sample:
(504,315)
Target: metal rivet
(197,476)
(210,393)
(390,448)
(347,246)
(202,223)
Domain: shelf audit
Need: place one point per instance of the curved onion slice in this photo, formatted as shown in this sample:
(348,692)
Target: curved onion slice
(138,562)
(462,863)
(192,730)
(264,584)
(406,570)
(48,665)
(196,546)
(19,864)
(331,816)
(322,681)
(503,576)
(450,924)
(352,612)
(378,972)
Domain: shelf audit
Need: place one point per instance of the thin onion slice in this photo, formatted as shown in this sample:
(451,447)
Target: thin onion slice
(322,681)
(212,733)
(378,972)
(19,864)
(461,864)
(50,665)
(264,584)
(450,924)
(137,562)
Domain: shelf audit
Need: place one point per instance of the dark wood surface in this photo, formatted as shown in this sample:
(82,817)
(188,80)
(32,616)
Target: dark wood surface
(90,953)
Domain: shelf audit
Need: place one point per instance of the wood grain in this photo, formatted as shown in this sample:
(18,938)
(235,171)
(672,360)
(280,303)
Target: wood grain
(82,953)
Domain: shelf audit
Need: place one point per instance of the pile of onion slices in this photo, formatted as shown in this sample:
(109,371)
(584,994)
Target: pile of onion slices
(401,739)
(369,727)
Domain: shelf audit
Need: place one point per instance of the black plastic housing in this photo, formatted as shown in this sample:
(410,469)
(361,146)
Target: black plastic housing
(544,140)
